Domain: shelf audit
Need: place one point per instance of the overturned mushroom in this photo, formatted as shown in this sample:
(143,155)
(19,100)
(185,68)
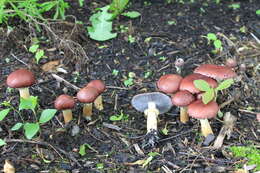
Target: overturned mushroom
(152,104)
(100,86)
(21,79)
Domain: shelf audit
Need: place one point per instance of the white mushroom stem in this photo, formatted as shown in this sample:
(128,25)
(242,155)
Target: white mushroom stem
(98,103)
(205,127)
(184,118)
(24,93)
(67,115)
(87,111)
(152,113)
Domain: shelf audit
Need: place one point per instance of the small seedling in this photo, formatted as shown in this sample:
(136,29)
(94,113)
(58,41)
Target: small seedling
(165,130)
(172,22)
(147,74)
(38,53)
(234,6)
(216,42)
(115,72)
(119,117)
(2,142)
(83,148)
(100,166)
(130,80)
(162,58)
(131,39)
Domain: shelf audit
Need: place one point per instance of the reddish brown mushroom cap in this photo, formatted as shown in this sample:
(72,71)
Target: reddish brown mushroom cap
(87,95)
(199,110)
(187,82)
(20,79)
(215,71)
(182,98)
(64,102)
(98,84)
(169,83)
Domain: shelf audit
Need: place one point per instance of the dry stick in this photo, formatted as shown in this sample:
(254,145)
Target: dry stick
(56,149)
(59,79)
(227,128)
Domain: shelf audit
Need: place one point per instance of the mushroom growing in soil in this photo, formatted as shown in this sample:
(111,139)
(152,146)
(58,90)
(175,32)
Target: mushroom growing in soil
(152,104)
(183,99)
(169,83)
(87,96)
(65,103)
(203,112)
(100,86)
(21,79)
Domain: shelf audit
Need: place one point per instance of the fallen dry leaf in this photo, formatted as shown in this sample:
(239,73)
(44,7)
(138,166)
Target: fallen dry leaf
(8,167)
(50,66)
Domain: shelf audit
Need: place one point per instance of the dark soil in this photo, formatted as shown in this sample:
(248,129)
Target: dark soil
(113,143)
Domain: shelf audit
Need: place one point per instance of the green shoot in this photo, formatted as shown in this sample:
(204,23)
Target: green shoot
(119,117)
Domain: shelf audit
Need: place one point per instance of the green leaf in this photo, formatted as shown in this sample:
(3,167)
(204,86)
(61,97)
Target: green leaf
(2,142)
(100,165)
(165,131)
(82,150)
(131,14)
(211,36)
(257,12)
(81,3)
(33,48)
(17,126)
(225,84)
(39,54)
(47,115)
(29,103)
(31,129)
(201,85)
(117,6)
(217,44)
(101,25)
(47,6)
(153,154)
(208,96)
(116,117)
(3,113)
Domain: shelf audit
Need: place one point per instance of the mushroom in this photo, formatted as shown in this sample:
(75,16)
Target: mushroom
(100,86)
(169,83)
(183,99)
(87,96)
(152,104)
(203,112)
(65,103)
(217,72)
(21,79)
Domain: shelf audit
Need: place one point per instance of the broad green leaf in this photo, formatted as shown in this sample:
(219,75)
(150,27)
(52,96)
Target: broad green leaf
(211,36)
(131,14)
(208,96)
(17,126)
(82,150)
(31,129)
(225,84)
(3,113)
(201,85)
(39,54)
(2,142)
(29,103)
(47,115)
(217,44)
(101,25)
(33,48)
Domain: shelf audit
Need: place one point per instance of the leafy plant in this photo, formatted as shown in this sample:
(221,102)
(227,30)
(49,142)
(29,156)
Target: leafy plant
(119,117)
(130,80)
(209,92)
(38,53)
(216,42)
(131,39)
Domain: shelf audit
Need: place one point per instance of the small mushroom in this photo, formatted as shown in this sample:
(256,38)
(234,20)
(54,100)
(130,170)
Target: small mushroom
(169,83)
(100,86)
(183,99)
(65,103)
(152,104)
(203,112)
(21,79)
(87,96)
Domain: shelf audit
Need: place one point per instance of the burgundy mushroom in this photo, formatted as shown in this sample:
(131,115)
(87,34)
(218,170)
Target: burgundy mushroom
(65,103)
(100,86)
(21,79)
(169,83)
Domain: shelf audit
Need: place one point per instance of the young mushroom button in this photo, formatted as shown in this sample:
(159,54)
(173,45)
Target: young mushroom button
(21,79)
(152,104)
(101,87)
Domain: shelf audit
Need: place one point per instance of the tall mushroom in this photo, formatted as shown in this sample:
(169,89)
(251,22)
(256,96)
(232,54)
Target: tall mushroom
(169,83)
(100,86)
(152,104)
(203,112)
(21,79)
(87,96)
(65,103)
(183,99)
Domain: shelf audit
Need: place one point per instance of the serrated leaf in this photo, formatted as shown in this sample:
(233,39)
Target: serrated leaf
(29,103)
(225,84)
(208,96)
(31,129)
(131,14)
(201,85)
(211,36)
(33,48)
(2,142)
(101,29)
(3,113)
(17,126)
(47,115)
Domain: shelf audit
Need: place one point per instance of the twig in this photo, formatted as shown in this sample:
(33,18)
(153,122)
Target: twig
(60,79)
(19,60)
(257,40)
(56,149)
(115,87)
(165,139)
